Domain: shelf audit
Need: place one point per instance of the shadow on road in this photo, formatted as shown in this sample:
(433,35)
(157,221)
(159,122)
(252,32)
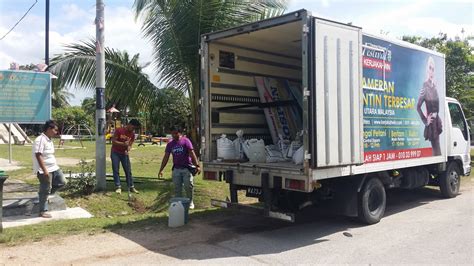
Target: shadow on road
(223,234)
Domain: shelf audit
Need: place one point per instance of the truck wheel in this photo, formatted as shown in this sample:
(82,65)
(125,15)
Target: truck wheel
(372,201)
(450,181)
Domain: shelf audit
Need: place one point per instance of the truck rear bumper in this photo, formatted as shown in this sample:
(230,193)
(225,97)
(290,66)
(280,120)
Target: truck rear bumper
(288,217)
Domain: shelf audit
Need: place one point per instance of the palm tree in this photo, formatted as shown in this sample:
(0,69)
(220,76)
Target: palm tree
(88,105)
(175,28)
(59,96)
(127,85)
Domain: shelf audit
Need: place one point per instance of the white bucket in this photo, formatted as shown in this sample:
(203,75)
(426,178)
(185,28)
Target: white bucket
(255,150)
(225,148)
(176,214)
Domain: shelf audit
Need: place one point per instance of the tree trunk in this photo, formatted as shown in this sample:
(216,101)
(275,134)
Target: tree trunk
(195,117)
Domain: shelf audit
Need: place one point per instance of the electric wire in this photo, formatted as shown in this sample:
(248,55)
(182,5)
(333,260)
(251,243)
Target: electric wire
(26,13)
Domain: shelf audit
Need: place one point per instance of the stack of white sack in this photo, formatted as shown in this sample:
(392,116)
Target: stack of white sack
(290,150)
(294,146)
(225,148)
(298,156)
(254,149)
(238,145)
(283,145)
(274,154)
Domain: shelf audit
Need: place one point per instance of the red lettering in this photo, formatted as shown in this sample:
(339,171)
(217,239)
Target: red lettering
(394,155)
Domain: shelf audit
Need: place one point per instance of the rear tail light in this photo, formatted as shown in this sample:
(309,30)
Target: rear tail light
(295,184)
(209,175)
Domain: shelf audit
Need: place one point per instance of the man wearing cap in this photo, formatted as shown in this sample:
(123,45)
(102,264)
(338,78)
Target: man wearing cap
(183,158)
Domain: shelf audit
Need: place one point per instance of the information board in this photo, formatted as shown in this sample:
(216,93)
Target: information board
(404,92)
(25,97)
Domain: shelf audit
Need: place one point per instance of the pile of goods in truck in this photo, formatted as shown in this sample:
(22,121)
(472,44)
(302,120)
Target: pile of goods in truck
(284,118)
(255,150)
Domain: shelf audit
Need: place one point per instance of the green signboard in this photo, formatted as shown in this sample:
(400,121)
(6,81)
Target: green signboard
(25,97)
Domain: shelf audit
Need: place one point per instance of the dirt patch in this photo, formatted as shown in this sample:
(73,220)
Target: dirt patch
(137,205)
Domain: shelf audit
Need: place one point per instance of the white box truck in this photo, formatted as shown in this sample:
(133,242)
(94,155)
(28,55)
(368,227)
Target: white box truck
(371,113)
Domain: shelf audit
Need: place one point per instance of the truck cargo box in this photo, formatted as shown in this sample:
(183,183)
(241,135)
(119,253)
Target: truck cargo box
(361,106)
(358,93)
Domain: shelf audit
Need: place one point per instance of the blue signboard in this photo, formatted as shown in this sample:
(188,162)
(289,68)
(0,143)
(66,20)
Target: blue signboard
(404,92)
(25,97)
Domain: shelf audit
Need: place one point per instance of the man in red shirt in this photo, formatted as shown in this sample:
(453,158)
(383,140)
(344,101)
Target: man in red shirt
(121,144)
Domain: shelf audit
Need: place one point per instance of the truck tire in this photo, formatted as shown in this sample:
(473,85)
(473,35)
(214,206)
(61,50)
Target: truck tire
(450,181)
(372,201)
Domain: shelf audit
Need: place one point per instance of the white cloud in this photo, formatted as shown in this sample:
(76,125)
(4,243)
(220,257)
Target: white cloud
(406,20)
(25,44)
(325,3)
(397,17)
(5,58)
(122,32)
(72,12)
(22,43)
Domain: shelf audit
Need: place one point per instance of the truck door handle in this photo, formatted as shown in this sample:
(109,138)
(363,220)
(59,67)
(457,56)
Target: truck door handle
(455,144)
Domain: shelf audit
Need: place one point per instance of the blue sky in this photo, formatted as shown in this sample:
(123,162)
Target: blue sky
(72,20)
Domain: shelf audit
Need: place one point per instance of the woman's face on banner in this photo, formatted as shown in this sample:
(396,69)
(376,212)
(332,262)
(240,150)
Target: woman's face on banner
(430,70)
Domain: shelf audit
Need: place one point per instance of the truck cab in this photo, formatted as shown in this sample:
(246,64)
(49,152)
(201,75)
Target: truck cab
(458,137)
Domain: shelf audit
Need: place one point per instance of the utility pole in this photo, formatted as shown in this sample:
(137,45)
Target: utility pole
(46,41)
(100,98)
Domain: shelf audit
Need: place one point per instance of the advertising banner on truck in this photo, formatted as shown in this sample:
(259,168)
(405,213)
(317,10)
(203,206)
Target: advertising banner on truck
(403,102)
(25,96)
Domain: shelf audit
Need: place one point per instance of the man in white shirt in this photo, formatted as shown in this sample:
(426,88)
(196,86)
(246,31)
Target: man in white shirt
(51,178)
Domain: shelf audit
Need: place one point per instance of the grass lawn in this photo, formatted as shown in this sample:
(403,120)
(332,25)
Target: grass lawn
(110,210)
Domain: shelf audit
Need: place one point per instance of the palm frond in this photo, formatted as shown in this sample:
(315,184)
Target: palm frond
(175,28)
(125,81)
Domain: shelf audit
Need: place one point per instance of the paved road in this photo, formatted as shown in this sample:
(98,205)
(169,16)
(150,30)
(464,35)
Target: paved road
(419,227)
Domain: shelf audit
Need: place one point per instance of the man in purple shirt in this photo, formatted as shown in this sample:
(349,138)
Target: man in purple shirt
(183,157)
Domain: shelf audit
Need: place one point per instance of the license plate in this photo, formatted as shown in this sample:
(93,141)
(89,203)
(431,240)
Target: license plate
(254,192)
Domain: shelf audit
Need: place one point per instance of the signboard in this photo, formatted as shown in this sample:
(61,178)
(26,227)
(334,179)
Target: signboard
(403,104)
(25,97)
